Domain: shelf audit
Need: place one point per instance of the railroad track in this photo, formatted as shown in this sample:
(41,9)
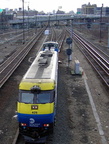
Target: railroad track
(61,38)
(97,58)
(9,66)
(1,68)
(10,36)
(18,138)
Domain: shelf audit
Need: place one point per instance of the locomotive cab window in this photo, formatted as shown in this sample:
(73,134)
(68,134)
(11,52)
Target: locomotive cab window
(36,98)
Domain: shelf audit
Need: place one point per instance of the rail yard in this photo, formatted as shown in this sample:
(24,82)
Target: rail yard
(83,100)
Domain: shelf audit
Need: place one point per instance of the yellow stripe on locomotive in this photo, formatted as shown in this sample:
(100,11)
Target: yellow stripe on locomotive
(35,108)
(44,84)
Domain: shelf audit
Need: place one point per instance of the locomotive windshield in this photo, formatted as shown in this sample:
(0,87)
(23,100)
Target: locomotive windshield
(49,46)
(36,98)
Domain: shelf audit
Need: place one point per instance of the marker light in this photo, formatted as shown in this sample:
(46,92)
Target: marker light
(23,124)
(34,107)
(46,125)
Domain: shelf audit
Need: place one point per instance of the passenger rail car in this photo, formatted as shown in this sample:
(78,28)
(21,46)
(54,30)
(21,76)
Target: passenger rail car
(36,106)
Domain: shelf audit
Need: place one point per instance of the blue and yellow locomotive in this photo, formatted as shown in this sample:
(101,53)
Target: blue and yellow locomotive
(36,106)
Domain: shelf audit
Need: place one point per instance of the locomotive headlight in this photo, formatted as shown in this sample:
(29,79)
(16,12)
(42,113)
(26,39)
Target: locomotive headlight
(34,107)
(23,124)
(46,125)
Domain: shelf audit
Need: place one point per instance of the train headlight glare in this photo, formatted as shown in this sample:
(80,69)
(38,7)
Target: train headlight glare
(46,125)
(23,124)
(34,107)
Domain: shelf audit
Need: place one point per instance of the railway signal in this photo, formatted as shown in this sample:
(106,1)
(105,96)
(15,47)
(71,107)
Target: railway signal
(69,41)
(88,25)
(69,50)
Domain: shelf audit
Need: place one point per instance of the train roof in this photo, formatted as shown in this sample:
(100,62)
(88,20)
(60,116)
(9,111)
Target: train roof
(50,42)
(50,45)
(42,71)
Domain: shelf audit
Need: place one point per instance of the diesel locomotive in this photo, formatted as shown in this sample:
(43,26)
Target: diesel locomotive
(37,100)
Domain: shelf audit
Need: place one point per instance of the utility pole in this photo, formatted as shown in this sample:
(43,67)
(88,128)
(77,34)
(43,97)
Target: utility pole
(101,21)
(108,37)
(56,18)
(71,44)
(72,28)
(28,18)
(49,21)
(23,22)
(57,22)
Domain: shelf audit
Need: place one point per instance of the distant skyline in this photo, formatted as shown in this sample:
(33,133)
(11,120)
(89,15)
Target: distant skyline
(50,5)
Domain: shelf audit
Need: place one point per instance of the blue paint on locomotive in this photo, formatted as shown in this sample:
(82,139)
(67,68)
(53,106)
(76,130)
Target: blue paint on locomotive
(35,120)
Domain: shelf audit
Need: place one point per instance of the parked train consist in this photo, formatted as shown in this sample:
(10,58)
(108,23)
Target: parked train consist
(36,106)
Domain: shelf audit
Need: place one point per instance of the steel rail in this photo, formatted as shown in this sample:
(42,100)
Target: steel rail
(103,63)
(97,69)
(98,60)
(6,62)
(9,68)
(61,38)
(15,140)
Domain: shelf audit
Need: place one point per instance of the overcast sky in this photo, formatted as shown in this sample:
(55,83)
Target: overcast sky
(50,5)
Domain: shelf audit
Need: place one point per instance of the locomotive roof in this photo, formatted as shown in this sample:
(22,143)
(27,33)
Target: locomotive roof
(50,42)
(44,66)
